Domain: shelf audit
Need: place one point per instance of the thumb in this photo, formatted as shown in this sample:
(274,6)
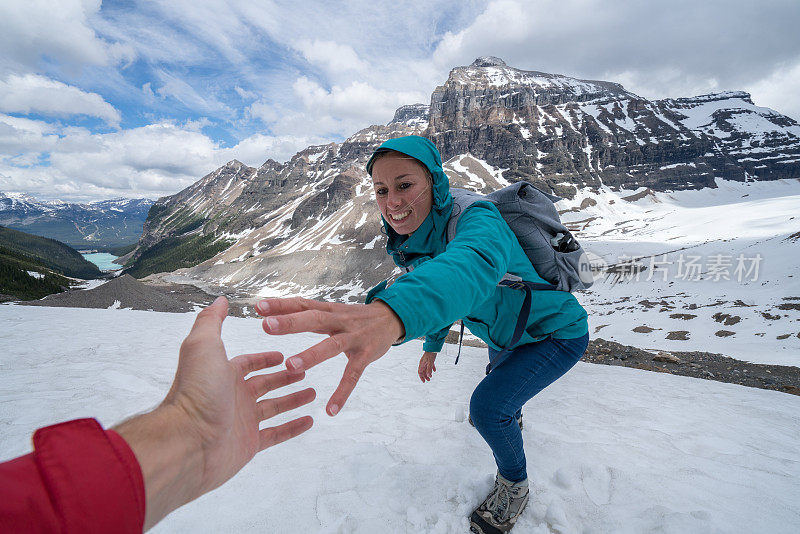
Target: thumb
(210,319)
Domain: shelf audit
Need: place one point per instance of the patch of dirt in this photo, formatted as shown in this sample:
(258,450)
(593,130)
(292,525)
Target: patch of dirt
(679,335)
(789,306)
(784,336)
(726,319)
(586,203)
(717,303)
(705,365)
(684,316)
(640,195)
(652,304)
(599,327)
(134,294)
(643,329)
(739,304)
(769,316)
(791,298)
(724,333)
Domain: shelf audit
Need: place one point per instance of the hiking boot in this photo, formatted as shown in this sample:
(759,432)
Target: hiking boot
(519,421)
(499,512)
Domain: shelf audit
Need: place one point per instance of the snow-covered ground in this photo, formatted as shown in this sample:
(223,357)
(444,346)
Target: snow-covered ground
(610,449)
(721,265)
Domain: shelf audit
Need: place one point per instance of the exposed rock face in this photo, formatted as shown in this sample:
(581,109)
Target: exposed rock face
(310,226)
(551,129)
(188,211)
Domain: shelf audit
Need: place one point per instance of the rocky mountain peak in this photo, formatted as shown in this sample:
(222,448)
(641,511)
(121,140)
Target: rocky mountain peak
(488,61)
(412,115)
(711,97)
(233,164)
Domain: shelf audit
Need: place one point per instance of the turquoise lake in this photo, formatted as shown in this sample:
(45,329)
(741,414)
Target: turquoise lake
(103,260)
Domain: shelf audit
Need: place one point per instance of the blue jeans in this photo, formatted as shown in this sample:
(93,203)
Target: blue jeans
(499,397)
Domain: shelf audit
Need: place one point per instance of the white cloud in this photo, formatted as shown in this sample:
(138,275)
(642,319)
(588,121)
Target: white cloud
(327,114)
(32,93)
(779,90)
(356,100)
(31,29)
(665,49)
(182,91)
(332,56)
(258,148)
(312,73)
(23,137)
(245,94)
(154,160)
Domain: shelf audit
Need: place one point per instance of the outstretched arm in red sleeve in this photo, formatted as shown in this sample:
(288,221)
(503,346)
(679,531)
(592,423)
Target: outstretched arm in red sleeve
(81,478)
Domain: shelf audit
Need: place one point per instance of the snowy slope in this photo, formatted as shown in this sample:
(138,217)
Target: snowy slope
(609,449)
(751,314)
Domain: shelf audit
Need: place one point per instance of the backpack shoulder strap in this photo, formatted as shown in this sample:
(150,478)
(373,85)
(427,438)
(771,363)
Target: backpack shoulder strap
(462,199)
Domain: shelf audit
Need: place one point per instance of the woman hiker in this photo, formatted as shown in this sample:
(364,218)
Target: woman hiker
(446,282)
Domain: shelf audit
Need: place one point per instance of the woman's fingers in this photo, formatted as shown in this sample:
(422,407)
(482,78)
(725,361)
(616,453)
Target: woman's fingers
(272,436)
(260,385)
(268,408)
(318,321)
(324,350)
(250,363)
(352,373)
(268,307)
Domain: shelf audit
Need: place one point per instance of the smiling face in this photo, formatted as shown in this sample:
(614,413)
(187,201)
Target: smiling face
(403,191)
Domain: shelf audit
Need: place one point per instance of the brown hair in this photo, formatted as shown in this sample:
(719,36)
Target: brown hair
(388,151)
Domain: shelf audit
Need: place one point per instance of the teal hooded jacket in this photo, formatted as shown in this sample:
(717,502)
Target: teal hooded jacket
(458,280)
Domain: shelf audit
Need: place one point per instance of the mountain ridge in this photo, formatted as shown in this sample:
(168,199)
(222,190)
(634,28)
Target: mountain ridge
(98,224)
(311,222)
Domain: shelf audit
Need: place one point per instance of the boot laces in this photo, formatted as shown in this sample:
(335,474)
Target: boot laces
(499,502)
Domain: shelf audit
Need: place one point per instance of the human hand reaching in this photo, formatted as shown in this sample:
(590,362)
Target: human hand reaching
(363,332)
(427,366)
(207,427)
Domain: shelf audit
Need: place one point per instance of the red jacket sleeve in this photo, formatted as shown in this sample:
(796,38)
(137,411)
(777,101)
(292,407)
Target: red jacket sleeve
(79,478)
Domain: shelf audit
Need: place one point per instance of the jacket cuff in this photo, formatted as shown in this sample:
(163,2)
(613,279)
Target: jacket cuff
(92,476)
(433,345)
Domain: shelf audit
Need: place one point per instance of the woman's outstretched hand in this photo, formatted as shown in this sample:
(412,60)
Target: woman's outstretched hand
(363,332)
(427,366)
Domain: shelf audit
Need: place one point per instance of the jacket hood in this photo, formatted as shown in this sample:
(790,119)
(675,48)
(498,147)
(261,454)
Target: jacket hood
(424,151)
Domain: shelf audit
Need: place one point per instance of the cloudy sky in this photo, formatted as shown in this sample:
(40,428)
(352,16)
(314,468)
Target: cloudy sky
(141,98)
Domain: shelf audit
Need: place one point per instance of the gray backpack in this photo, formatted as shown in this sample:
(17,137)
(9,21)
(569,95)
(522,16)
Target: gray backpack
(554,252)
(531,215)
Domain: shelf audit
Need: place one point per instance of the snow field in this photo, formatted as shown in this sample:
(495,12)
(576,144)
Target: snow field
(609,449)
(747,220)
